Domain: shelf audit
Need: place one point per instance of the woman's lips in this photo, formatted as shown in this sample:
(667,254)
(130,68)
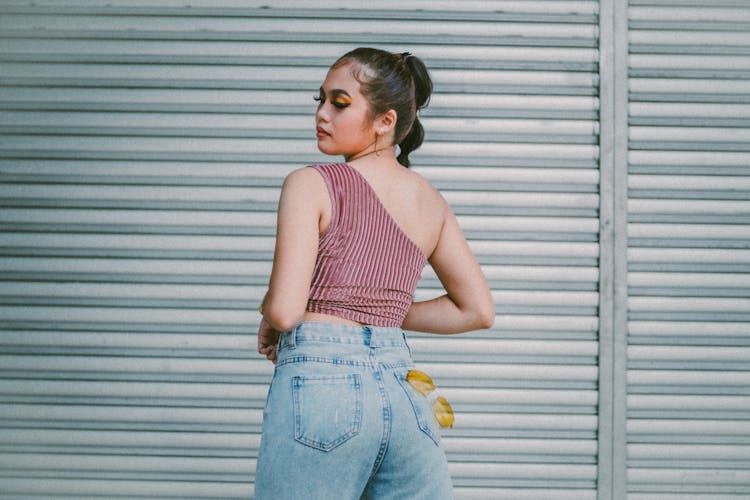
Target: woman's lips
(321,133)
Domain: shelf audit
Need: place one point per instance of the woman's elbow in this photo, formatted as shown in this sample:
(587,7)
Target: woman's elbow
(485,313)
(486,318)
(281,319)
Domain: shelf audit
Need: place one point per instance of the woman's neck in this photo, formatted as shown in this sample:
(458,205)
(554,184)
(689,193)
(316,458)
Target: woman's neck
(386,152)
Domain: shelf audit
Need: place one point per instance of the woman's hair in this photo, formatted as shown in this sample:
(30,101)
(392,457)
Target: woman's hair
(393,81)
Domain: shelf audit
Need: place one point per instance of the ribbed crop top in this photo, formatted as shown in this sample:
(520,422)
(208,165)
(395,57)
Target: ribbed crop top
(367,268)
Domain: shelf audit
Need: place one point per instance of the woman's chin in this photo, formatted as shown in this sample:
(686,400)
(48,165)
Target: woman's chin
(326,150)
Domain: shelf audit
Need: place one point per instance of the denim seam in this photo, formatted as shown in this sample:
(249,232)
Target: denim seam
(386,412)
(342,362)
(322,359)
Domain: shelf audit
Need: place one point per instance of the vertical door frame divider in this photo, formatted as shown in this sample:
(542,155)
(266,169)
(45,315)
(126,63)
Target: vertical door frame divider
(613,246)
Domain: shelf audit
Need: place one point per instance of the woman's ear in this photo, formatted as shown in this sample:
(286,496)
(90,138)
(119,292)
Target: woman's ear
(386,123)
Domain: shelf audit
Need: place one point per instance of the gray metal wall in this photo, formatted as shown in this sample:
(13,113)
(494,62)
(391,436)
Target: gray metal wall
(143,145)
(688,370)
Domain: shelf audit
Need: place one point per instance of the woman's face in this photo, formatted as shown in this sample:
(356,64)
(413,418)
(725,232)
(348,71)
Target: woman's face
(343,122)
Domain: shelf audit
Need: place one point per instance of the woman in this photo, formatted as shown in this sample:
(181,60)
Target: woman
(344,416)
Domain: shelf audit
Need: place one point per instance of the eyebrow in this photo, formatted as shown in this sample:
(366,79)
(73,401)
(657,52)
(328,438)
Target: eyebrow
(336,92)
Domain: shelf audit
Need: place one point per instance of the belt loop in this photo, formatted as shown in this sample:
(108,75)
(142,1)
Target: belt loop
(368,334)
(406,343)
(288,339)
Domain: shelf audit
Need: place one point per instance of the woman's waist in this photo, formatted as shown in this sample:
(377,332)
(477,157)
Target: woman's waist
(327,329)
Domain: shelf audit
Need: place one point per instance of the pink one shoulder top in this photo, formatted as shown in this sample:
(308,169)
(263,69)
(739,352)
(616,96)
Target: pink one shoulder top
(367,268)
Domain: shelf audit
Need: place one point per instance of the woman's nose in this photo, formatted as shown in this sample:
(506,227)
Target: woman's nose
(322,113)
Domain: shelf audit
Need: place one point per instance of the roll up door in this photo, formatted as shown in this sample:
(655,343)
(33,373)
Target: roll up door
(143,145)
(689,261)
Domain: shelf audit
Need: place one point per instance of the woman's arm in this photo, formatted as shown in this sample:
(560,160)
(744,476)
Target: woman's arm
(303,198)
(468,303)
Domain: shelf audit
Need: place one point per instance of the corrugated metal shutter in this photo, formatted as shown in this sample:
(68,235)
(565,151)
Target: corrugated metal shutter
(142,148)
(689,262)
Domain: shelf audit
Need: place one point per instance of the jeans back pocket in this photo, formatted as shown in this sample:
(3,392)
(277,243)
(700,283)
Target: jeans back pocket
(423,412)
(327,410)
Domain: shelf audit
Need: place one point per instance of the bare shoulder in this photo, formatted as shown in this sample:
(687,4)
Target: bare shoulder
(304,175)
(306,194)
(306,182)
(427,194)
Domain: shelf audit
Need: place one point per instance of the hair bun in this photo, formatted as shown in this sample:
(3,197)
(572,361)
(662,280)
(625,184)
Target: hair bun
(421,77)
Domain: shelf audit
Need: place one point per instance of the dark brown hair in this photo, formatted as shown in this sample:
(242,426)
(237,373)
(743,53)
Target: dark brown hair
(399,82)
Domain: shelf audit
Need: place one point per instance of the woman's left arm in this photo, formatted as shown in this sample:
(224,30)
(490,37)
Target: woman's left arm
(303,197)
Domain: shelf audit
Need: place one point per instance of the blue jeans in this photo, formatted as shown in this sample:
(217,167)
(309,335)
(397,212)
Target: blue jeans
(342,422)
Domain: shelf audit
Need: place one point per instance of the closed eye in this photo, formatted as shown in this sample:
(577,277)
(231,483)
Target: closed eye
(341,100)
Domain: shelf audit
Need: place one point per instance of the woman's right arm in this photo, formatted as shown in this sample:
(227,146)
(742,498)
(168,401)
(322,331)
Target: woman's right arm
(303,197)
(467,304)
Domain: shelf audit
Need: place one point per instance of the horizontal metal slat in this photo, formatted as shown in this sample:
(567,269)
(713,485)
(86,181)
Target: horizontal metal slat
(689,114)
(690,381)
(133,319)
(89,49)
(673,356)
(703,183)
(685,496)
(689,452)
(238,149)
(468,492)
(238,77)
(697,406)
(281,102)
(90,489)
(686,10)
(123,442)
(141,245)
(690,66)
(219,395)
(163,76)
(531,449)
(296,29)
(649,257)
(132,418)
(695,308)
(499,474)
(690,332)
(688,41)
(164,368)
(689,284)
(691,211)
(714,232)
(707,481)
(154,173)
(134,467)
(510,374)
(137,221)
(688,431)
(156,148)
(135,270)
(127,343)
(239,7)
(498,350)
(285,126)
(696,90)
(689,138)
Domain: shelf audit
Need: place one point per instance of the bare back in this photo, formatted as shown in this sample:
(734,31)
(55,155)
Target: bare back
(415,205)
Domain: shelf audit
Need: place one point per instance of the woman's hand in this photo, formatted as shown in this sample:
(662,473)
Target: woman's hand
(268,338)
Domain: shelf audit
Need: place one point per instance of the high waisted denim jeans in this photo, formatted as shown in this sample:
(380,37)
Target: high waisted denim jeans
(341,422)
